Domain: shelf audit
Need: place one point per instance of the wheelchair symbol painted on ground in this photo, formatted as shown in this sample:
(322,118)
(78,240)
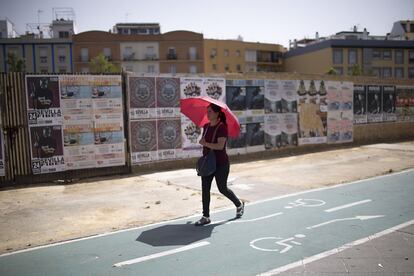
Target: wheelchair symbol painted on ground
(306,202)
(277,244)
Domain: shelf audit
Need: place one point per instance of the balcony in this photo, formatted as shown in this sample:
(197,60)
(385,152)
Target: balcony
(129,57)
(151,57)
(172,56)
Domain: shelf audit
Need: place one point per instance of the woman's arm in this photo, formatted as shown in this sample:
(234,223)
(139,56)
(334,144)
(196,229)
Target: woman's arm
(221,141)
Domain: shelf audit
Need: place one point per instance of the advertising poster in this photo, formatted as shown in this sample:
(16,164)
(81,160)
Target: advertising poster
(255,93)
(255,137)
(214,88)
(109,143)
(281,130)
(76,98)
(312,112)
(143,138)
(168,97)
(238,145)
(273,96)
(374,113)
(142,98)
(78,145)
(43,100)
(191,87)
(46,149)
(403,102)
(360,104)
(236,98)
(289,102)
(190,133)
(169,138)
(389,99)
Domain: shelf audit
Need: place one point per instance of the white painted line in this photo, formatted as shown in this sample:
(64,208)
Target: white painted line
(162,254)
(247,220)
(348,205)
(335,250)
(197,215)
(344,219)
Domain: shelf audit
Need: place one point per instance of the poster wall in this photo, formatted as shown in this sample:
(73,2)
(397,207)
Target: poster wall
(313,113)
(75,122)
(389,100)
(340,112)
(2,154)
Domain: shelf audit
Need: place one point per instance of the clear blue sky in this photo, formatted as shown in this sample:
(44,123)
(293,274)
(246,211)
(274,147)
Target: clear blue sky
(255,20)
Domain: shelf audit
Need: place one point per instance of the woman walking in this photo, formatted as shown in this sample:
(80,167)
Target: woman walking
(217,126)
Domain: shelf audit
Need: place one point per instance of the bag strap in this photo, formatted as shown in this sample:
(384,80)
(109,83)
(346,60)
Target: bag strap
(215,132)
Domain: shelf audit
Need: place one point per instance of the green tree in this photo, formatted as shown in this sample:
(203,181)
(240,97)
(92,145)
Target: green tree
(15,64)
(100,64)
(356,70)
(332,71)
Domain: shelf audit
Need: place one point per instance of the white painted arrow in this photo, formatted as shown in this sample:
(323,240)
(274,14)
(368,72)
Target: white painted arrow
(344,219)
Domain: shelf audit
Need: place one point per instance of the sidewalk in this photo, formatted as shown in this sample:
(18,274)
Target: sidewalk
(50,213)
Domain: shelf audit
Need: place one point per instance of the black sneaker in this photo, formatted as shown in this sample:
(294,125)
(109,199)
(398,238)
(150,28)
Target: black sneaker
(203,221)
(240,210)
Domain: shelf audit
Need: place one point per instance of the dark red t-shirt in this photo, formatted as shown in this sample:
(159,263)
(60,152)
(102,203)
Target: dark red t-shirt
(221,155)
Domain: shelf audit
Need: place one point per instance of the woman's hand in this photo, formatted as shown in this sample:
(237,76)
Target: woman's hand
(203,142)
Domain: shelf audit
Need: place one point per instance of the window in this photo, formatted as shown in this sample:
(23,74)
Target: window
(193,69)
(84,55)
(214,66)
(399,56)
(376,54)
(386,72)
(226,52)
(62,70)
(43,55)
(352,56)
(250,56)
(411,56)
(129,53)
(193,53)
(213,52)
(173,69)
(238,66)
(64,34)
(150,52)
(238,53)
(339,70)
(411,28)
(411,73)
(367,55)
(171,53)
(151,69)
(399,73)
(386,54)
(337,56)
(227,67)
(62,55)
(376,72)
(107,53)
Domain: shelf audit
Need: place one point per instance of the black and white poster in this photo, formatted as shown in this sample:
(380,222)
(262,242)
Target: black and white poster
(2,159)
(143,138)
(389,99)
(168,97)
(255,94)
(214,88)
(374,108)
(46,149)
(236,98)
(169,138)
(43,99)
(255,137)
(238,145)
(281,130)
(142,97)
(360,104)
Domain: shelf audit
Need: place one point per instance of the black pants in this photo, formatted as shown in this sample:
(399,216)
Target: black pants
(221,175)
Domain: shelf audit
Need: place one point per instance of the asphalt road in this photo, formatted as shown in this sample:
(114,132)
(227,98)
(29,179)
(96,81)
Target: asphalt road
(272,234)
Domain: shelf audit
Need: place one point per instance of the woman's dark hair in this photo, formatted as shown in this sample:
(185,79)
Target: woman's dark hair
(221,115)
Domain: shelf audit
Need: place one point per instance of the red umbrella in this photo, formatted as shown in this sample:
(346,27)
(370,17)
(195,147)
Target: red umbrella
(196,110)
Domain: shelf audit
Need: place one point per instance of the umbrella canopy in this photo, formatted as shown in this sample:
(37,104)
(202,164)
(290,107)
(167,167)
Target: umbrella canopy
(196,110)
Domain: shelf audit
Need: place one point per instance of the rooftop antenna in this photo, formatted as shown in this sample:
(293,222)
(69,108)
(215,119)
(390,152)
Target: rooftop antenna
(38,19)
